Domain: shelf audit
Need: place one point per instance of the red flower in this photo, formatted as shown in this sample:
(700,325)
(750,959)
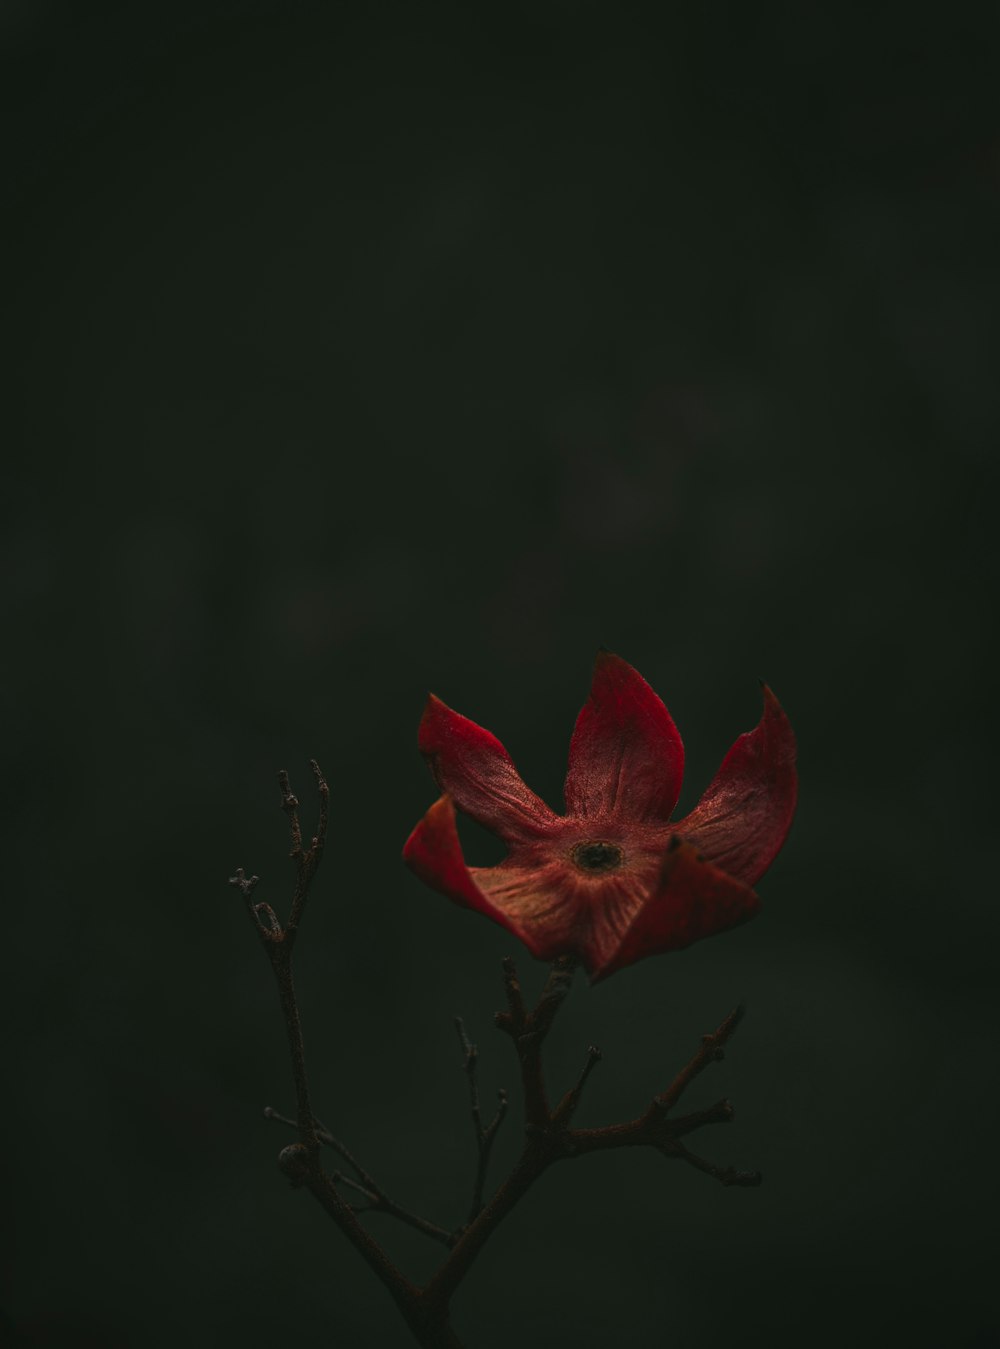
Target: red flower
(612,880)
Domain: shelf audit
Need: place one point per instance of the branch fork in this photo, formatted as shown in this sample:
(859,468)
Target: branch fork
(549,1135)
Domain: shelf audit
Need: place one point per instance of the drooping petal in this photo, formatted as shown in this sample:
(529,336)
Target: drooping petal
(693,899)
(744,817)
(626,759)
(434,852)
(472,766)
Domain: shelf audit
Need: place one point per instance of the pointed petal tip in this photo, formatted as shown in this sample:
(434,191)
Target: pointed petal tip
(771,702)
(601,659)
(605,656)
(625,754)
(766,691)
(744,816)
(441,812)
(471,764)
(432,704)
(774,719)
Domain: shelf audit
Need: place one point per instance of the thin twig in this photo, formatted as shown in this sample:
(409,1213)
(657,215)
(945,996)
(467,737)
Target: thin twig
(514,1018)
(319,838)
(485,1135)
(331,1141)
(366,1184)
(654,1129)
(529,1029)
(554,994)
(550,1140)
(566,1108)
(306,860)
(726,1175)
(339,1178)
(711,1051)
(290,805)
(300,1161)
(722,1112)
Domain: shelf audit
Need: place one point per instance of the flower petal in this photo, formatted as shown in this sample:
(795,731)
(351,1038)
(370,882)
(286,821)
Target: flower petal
(560,912)
(744,817)
(434,852)
(626,758)
(473,767)
(693,899)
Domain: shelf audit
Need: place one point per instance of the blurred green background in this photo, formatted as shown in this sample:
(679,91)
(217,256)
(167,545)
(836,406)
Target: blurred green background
(355,351)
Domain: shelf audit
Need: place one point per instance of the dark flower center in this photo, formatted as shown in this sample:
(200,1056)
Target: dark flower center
(597,857)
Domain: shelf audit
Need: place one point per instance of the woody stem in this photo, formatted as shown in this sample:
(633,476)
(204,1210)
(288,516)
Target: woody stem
(281,963)
(548,1135)
(301,1164)
(542,1146)
(301,1161)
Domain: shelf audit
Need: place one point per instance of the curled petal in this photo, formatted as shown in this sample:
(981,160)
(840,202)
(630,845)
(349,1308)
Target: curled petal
(744,817)
(693,899)
(626,758)
(473,767)
(434,852)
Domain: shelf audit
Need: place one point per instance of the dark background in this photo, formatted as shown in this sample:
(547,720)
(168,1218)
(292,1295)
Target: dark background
(356,351)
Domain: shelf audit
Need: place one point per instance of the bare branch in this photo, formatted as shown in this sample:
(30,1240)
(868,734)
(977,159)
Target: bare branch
(485,1136)
(306,860)
(365,1184)
(722,1112)
(566,1108)
(315,855)
(726,1175)
(290,805)
(514,1019)
(711,1051)
(300,1161)
(548,1138)
(529,1029)
(554,994)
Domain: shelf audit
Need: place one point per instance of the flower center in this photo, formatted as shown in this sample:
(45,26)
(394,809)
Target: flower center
(597,857)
